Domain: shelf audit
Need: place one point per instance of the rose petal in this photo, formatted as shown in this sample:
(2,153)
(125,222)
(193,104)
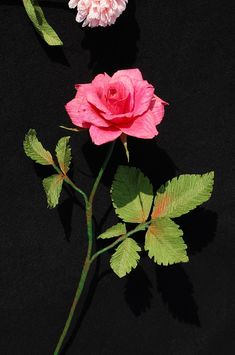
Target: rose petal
(104,135)
(73,112)
(100,80)
(126,90)
(157,107)
(143,96)
(131,73)
(82,114)
(115,119)
(142,127)
(94,96)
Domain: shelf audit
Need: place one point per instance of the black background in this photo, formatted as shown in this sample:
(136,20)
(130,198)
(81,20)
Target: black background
(184,48)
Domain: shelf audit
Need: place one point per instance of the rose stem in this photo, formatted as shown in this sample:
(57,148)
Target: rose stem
(87,263)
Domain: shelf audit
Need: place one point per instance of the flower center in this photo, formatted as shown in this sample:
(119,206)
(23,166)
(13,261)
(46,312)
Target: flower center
(112,92)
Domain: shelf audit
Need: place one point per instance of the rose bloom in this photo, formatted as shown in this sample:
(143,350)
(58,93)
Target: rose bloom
(112,106)
(98,12)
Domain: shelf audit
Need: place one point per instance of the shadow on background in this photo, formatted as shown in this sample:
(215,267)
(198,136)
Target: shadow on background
(177,292)
(96,278)
(146,155)
(55,53)
(138,294)
(199,227)
(114,47)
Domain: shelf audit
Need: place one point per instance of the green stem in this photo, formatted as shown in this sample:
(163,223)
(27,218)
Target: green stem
(79,290)
(87,264)
(102,169)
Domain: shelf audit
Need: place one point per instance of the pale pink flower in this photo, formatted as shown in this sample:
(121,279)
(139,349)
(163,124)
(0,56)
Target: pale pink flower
(112,106)
(98,12)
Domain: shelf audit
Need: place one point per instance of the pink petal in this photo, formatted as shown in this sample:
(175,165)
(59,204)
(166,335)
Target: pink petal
(143,96)
(101,80)
(83,115)
(76,117)
(157,107)
(131,73)
(142,127)
(86,110)
(95,92)
(94,97)
(124,85)
(104,135)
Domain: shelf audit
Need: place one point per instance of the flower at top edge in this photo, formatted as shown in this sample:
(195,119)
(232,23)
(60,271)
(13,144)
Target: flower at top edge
(95,13)
(124,104)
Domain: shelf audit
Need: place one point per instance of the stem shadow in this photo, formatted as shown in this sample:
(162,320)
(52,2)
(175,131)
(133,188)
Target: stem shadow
(96,278)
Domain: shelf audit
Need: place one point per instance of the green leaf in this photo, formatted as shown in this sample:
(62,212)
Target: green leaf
(132,194)
(182,194)
(63,153)
(40,23)
(53,186)
(125,257)
(164,243)
(114,231)
(34,149)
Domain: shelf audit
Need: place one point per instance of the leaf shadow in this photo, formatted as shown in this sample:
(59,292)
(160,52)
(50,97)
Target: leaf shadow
(199,227)
(55,53)
(113,47)
(172,282)
(152,160)
(138,293)
(141,153)
(66,205)
(177,293)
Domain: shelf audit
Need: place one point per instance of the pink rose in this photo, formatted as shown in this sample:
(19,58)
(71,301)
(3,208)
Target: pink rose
(112,106)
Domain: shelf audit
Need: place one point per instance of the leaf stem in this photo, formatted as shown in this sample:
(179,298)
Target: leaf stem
(138,228)
(72,184)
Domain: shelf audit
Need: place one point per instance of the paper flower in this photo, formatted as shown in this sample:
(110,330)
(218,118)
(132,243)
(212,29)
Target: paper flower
(95,13)
(112,106)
